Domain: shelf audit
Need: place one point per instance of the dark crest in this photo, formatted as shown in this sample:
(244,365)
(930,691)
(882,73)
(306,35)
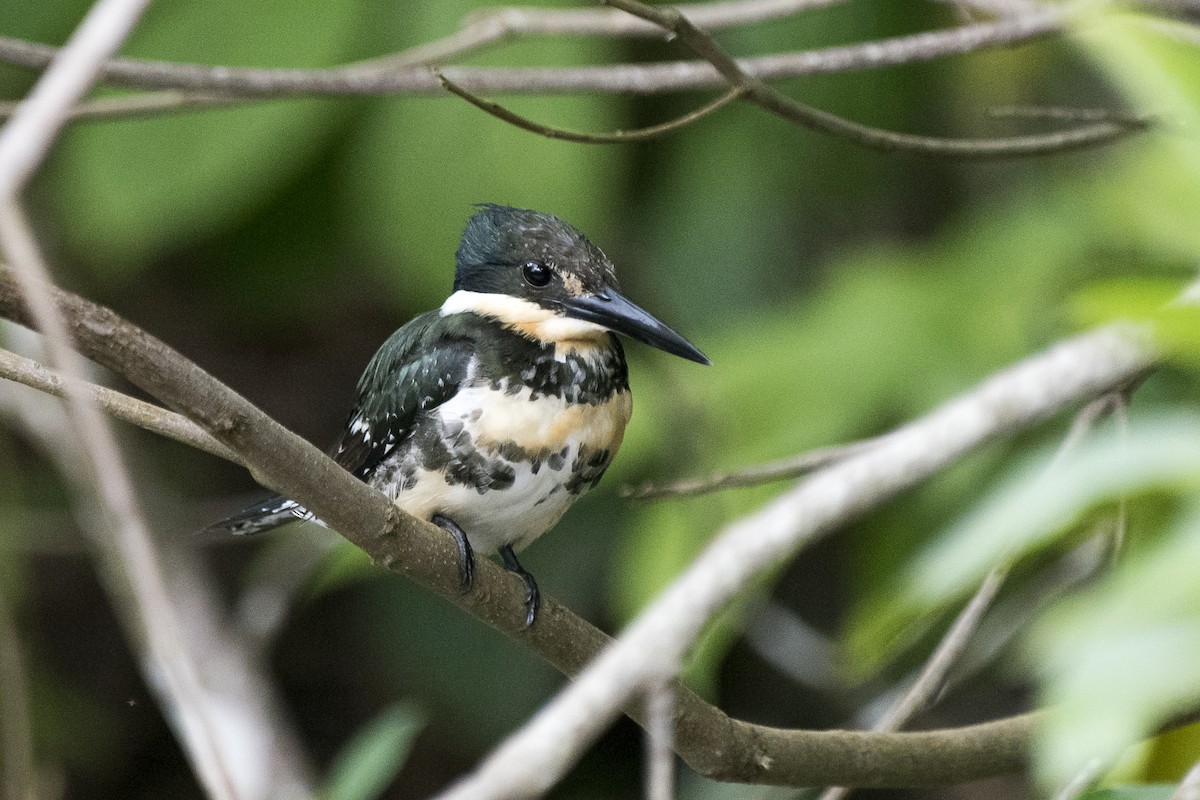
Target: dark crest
(500,240)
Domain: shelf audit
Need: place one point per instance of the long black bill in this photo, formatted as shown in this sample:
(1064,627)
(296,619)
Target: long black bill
(610,309)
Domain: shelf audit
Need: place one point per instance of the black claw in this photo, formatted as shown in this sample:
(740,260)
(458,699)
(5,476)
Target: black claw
(466,556)
(533,598)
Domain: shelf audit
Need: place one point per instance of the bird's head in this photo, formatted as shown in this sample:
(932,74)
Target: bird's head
(527,269)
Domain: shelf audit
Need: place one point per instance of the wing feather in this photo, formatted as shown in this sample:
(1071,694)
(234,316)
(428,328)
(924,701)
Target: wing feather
(418,368)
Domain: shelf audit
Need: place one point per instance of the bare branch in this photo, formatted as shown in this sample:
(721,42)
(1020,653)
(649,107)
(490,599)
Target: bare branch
(24,143)
(175,676)
(125,408)
(763,95)
(246,708)
(651,78)
(508,24)
(616,137)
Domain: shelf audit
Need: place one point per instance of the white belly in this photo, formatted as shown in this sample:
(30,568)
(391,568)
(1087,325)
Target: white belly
(562,438)
(516,515)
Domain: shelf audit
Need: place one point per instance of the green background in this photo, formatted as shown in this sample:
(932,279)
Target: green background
(837,290)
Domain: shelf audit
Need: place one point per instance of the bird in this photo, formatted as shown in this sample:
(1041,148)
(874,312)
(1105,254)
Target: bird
(491,415)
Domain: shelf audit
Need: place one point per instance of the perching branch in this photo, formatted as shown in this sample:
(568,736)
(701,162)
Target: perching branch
(705,737)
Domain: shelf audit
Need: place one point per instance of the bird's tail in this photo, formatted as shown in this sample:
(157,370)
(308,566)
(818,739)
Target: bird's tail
(269,514)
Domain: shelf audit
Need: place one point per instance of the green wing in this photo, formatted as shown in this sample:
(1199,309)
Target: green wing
(418,368)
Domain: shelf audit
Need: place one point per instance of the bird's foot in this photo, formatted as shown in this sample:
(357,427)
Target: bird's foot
(533,598)
(466,556)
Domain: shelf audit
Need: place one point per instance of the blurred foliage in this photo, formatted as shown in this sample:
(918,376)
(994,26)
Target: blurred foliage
(1146,792)
(372,758)
(838,291)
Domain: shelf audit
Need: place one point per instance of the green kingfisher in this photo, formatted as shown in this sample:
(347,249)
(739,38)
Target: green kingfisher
(493,414)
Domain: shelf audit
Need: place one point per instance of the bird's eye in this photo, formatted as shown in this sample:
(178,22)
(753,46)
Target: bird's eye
(536,274)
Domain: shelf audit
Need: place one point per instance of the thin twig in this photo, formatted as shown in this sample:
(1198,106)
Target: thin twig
(933,673)
(16,739)
(760,93)
(1068,114)
(615,137)
(138,105)
(647,78)
(121,406)
(784,469)
(660,741)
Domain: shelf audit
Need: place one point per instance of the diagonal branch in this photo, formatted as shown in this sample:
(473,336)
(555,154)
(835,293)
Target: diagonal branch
(706,738)
(1072,371)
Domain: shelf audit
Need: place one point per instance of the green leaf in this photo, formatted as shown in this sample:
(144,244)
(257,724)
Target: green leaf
(1158,72)
(1154,300)
(1118,660)
(1171,755)
(344,565)
(130,189)
(1148,792)
(1035,505)
(369,762)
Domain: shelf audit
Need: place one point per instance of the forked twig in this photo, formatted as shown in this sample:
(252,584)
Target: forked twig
(762,94)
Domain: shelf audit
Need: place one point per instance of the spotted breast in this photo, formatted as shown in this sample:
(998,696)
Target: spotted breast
(531,424)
